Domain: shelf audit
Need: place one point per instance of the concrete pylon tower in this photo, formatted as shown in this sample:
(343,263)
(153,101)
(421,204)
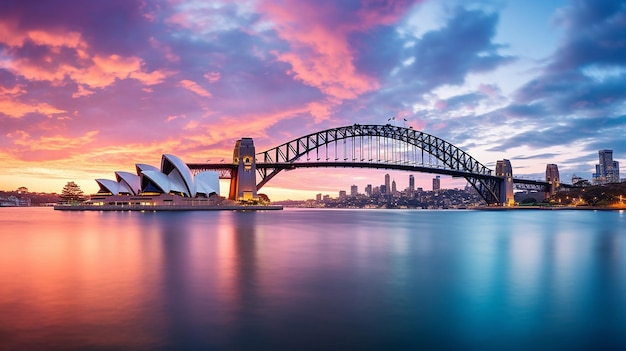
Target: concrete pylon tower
(243,181)
(504,169)
(553,178)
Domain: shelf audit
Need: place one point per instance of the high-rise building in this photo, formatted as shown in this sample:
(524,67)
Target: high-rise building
(411,183)
(393,187)
(607,171)
(436,183)
(387,184)
(342,194)
(354,190)
(368,190)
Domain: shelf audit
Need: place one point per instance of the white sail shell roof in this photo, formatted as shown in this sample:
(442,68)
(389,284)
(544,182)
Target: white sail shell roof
(157,178)
(130,181)
(207,183)
(113,187)
(174,176)
(178,171)
(140,167)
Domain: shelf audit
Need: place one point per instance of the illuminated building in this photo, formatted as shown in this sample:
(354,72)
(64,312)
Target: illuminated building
(172,184)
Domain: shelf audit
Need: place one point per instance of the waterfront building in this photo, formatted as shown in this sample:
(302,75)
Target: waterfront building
(607,170)
(318,197)
(172,184)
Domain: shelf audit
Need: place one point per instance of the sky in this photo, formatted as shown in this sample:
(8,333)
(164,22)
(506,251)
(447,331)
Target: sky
(88,88)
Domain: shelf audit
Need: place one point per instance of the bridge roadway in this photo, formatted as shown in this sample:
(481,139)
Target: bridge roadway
(225,170)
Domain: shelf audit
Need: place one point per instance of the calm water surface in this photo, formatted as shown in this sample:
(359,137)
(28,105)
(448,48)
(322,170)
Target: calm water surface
(312,279)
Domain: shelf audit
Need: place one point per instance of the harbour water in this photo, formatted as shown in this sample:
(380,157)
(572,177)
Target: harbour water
(312,279)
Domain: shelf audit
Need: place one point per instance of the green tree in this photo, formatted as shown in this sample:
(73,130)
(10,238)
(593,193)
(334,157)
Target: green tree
(71,194)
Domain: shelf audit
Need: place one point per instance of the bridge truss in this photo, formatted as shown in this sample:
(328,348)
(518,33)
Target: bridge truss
(378,146)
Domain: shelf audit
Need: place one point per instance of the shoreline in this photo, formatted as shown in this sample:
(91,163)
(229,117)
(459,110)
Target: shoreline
(549,208)
(155,208)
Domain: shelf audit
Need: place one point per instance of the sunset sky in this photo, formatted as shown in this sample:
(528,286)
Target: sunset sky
(91,87)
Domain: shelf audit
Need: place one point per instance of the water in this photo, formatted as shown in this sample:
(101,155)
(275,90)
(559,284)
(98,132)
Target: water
(312,279)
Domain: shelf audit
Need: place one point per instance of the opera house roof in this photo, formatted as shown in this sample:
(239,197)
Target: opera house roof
(174,177)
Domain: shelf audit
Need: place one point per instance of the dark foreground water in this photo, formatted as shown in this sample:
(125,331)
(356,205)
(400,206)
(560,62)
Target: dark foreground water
(312,279)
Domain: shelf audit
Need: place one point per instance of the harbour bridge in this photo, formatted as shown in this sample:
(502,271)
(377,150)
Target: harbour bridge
(370,146)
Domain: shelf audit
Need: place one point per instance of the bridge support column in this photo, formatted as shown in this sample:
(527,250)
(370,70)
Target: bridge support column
(504,169)
(552,178)
(243,179)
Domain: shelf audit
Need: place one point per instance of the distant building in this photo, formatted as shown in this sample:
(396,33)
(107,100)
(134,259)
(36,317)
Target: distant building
(318,197)
(436,183)
(342,194)
(579,181)
(354,190)
(394,189)
(387,184)
(383,189)
(22,190)
(411,183)
(607,171)
(368,190)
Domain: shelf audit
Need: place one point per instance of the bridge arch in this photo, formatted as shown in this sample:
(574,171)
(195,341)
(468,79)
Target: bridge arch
(378,146)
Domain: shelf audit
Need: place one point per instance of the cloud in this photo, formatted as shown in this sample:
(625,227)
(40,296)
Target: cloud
(464,45)
(17,109)
(194,87)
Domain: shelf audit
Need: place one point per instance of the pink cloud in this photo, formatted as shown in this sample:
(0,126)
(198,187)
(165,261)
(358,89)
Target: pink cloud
(17,109)
(320,55)
(194,87)
(213,77)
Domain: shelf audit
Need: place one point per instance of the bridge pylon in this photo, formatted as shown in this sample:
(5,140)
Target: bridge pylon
(504,169)
(243,179)
(552,178)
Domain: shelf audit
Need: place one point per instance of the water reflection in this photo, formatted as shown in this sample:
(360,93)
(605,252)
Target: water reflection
(313,279)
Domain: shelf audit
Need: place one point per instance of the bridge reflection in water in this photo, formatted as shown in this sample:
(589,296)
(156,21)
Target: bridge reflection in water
(377,146)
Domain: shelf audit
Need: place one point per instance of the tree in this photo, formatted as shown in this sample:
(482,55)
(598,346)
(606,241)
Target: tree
(71,194)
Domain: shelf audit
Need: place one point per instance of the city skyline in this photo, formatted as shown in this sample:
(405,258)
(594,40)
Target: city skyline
(89,88)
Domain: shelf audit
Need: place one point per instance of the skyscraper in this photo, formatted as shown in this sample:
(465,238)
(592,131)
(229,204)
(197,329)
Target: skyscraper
(354,190)
(607,171)
(436,183)
(368,189)
(393,187)
(411,183)
(387,184)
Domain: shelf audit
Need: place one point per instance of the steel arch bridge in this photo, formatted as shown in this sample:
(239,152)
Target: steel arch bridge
(372,146)
(379,146)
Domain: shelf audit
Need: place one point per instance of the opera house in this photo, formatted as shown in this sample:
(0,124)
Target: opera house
(150,187)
